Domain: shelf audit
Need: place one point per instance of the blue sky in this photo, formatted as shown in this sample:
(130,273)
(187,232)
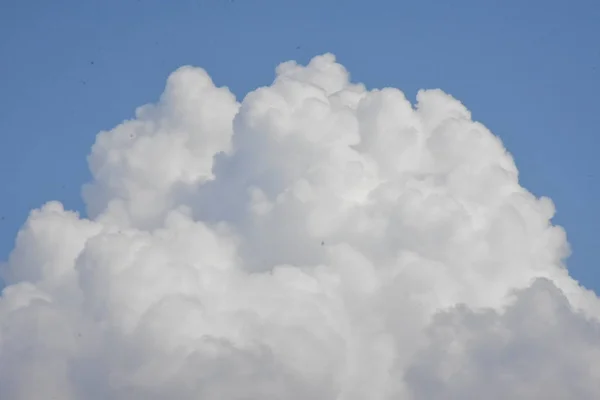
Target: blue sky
(530,71)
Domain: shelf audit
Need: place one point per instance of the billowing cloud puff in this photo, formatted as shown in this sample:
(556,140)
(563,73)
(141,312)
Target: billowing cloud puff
(537,348)
(318,240)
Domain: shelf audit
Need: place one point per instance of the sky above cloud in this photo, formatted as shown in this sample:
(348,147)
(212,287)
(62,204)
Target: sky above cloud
(315,239)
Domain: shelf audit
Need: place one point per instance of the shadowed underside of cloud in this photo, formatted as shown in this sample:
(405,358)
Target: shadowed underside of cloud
(318,240)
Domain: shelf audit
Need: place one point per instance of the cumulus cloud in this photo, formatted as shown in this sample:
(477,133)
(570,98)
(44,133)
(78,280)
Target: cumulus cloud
(317,240)
(537,348)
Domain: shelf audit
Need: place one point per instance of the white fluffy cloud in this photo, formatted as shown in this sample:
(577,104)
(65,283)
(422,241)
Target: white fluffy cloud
(318,240)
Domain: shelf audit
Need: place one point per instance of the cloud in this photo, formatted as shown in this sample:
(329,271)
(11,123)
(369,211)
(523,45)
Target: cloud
(537,348)
(315,240)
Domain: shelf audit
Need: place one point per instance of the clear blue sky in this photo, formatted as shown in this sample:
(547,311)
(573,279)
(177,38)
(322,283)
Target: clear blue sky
(529,70)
